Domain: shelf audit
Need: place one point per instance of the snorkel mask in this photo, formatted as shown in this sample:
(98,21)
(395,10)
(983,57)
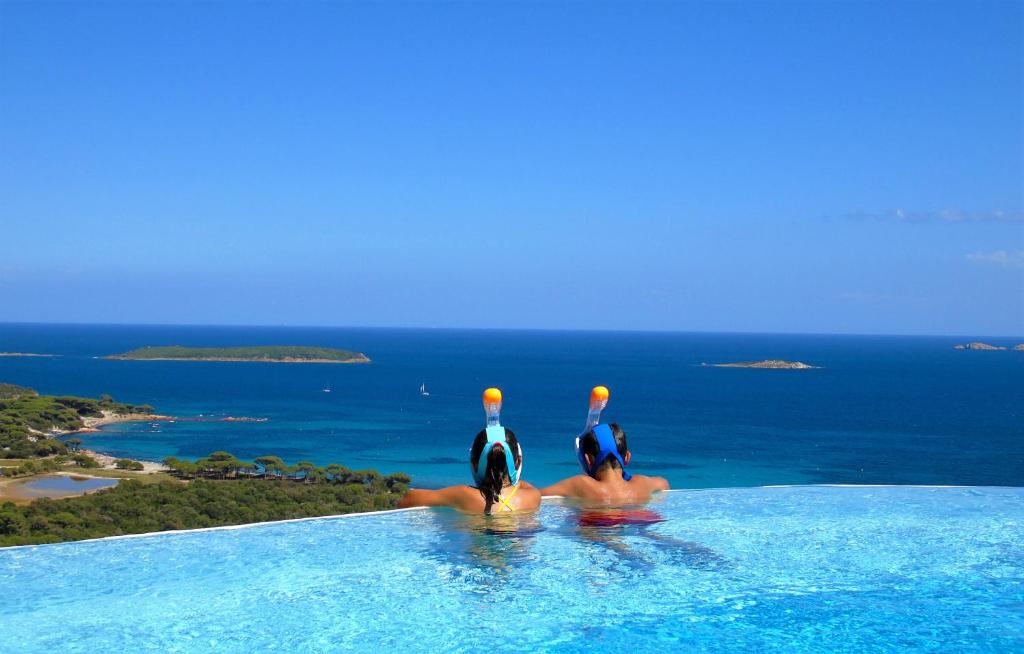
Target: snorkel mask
(607,447)
(496,434)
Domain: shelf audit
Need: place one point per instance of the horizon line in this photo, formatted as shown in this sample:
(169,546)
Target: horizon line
(504,329)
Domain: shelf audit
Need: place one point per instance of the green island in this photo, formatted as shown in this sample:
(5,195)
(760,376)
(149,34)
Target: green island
(29,421)
(260,353)
(216,491)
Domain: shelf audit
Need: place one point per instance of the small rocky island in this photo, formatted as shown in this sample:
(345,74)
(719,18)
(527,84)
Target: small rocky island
(977,345)
(260,353)
(776,364)
(25,354)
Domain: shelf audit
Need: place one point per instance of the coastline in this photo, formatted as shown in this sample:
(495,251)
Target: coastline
(107,462)
(93,424)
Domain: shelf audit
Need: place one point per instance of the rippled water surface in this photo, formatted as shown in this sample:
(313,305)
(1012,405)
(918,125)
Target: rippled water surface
(809,569)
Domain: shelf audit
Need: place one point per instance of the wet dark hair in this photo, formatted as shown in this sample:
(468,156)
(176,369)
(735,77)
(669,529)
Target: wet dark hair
(588,443)
(497,473)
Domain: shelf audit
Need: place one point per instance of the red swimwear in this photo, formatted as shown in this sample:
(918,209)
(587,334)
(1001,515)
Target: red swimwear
(616,517)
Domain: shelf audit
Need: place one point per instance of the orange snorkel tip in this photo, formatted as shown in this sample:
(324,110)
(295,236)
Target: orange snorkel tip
(492,396)
(492,406)
(599,394)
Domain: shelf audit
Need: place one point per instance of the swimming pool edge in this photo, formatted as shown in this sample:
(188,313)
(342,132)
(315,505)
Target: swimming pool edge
(247,525)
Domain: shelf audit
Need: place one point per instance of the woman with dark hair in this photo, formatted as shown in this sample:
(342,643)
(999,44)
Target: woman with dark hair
(497,462)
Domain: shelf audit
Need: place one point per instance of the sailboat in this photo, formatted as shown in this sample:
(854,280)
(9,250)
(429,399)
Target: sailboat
(327,389)
(423,390)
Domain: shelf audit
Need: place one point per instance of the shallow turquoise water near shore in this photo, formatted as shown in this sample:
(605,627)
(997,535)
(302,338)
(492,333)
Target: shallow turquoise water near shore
(808,569)
(881,410)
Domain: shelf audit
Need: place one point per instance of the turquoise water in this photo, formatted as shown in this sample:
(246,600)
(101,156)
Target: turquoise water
(881,410)
(804,569)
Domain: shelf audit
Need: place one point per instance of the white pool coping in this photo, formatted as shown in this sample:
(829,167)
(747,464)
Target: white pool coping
(247,525)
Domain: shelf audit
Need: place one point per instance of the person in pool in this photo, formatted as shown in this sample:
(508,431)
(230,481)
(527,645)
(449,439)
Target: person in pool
(497,461)
(604,455)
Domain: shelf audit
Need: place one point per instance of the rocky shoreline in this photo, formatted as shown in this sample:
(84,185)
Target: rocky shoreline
(93,423)
(772,364)
(978,345)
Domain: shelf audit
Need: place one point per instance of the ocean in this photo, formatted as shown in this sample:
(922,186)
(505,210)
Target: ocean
(880,410)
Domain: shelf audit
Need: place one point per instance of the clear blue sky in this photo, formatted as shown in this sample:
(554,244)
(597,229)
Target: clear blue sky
(800,167)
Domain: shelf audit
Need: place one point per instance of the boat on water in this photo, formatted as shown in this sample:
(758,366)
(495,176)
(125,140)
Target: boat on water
(423,390)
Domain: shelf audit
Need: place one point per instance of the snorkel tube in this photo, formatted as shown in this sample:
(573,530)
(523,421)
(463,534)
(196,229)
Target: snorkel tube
(495,435)
(607,447)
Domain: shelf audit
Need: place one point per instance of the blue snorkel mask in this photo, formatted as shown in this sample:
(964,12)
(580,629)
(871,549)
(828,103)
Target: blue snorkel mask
(606,445)
(495,435)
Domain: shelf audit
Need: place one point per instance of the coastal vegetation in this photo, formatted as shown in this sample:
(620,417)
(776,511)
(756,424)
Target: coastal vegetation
(134,507)
(36,466)
(226,466)
(29,421)
(262,353)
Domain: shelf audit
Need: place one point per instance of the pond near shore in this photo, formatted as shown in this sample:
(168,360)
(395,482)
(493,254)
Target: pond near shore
(56,486)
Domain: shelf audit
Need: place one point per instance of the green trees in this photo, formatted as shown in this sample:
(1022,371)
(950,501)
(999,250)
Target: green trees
(271,465)
(305,469)
(9,391)
(128,464)
(85,461)
(132,507)
(182,468)
(73,444)
(225,466)
(12,521)
(35,467)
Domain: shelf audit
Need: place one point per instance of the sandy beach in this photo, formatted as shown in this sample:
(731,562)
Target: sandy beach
(93,423)
(107,462)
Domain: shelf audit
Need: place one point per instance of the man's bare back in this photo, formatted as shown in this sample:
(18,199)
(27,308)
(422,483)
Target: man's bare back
(609,490)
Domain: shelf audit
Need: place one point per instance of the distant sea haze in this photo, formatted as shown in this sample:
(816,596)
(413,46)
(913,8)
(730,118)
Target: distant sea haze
(876,410)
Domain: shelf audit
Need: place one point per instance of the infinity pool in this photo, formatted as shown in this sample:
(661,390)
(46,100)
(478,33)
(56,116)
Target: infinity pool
(793,569)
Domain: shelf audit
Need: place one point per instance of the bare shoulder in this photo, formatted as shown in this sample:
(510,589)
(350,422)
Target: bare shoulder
(570,487)
(652,484)
(529,496)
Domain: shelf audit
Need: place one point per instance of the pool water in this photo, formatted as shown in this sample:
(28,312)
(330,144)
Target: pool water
(790,569)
